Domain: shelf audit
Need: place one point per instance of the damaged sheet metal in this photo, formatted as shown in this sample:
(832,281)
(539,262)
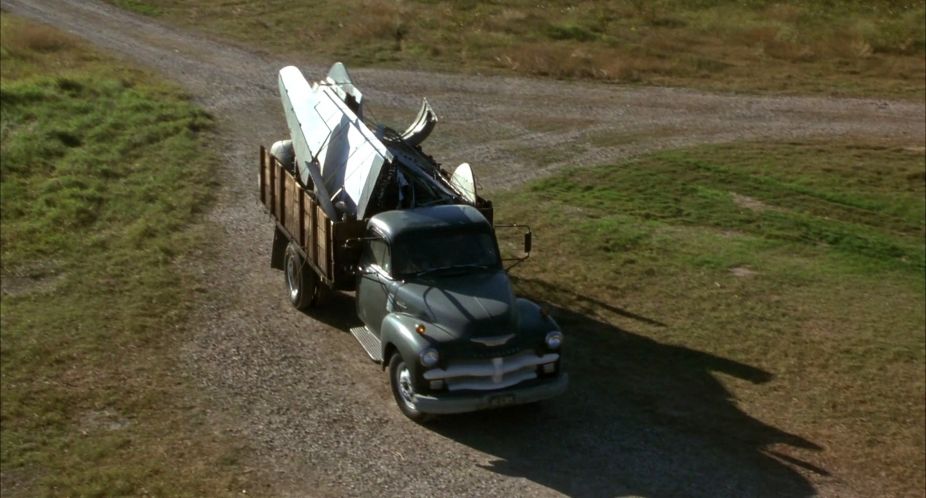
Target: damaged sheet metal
(464,182)
(422,126)
(353,171)
(341,83)
(333,147)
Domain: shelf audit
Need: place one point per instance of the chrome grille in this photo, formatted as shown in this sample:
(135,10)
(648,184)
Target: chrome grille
(496,352)
(486,374)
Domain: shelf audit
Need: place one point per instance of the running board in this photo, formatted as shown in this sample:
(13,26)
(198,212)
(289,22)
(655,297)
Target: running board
(370,343)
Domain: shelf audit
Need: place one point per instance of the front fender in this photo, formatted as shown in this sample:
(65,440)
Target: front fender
(398,331)
(532,320)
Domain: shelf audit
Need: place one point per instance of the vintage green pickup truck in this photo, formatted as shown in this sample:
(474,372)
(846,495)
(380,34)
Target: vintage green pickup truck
(360,207)
(436,304)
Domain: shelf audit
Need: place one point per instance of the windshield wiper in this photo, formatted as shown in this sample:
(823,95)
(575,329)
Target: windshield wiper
(472,265)
(452,267)
(431,270)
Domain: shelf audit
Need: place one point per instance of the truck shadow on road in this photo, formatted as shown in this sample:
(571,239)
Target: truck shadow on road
(640,418)
(339,311)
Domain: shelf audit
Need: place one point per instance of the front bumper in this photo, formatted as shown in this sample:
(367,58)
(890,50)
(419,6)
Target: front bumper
(517,395)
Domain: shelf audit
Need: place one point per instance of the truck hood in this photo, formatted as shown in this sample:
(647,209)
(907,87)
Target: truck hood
(470,305)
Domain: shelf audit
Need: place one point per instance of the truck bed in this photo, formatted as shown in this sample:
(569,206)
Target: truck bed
(299,217)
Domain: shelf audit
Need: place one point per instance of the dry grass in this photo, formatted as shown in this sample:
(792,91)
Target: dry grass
(751,46)
(37,38)
(380,23)
(567,62)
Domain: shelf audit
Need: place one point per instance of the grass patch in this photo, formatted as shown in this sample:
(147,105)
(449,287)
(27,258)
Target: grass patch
(805,260)
(842,48)
(104,176)
(139,6)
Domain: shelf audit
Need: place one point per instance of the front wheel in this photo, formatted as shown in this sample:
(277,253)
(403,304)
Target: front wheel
(302,284)
(403,389)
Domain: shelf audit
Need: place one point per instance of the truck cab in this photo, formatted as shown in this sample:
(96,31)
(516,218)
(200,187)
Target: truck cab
(439,313)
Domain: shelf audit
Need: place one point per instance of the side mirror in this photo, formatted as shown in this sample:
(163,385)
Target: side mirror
(528,243)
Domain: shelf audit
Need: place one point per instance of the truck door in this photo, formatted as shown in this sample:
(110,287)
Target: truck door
(375,284)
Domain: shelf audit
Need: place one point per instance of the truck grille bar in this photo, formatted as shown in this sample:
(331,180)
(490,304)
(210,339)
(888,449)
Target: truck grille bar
(488,374)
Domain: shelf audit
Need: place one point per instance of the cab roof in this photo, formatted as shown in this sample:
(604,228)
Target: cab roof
(391,224)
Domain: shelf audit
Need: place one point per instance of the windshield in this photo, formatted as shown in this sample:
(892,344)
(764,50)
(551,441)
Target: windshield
(424,252)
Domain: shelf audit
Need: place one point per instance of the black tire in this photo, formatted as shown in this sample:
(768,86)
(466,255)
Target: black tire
(400,391)
(302,284)
(322,294)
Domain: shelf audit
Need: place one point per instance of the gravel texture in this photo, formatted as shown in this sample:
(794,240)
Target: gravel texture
(319,414)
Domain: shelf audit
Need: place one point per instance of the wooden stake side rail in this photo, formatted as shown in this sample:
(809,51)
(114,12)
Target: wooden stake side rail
(298,215)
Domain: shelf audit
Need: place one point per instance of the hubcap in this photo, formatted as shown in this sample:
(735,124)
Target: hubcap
(406,390)
(291,278)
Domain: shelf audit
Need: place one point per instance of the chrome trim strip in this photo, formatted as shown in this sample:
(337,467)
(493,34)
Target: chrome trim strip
(486,384)
(490,368)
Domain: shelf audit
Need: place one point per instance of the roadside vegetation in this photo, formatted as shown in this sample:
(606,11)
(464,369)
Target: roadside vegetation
(842,47)
(104,176)
(803,260)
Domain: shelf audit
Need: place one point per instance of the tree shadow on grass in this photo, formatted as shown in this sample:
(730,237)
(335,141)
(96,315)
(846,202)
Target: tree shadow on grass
(639,418)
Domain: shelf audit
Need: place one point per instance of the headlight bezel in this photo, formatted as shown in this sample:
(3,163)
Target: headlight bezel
(429,357)
(553,340)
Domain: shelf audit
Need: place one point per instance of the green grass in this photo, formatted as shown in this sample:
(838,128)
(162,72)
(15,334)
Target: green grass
(139,6)
(104,175)
(805,260)
(839,47)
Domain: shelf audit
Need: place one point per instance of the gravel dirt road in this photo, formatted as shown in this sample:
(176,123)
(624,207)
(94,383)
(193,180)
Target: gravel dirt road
(319,414)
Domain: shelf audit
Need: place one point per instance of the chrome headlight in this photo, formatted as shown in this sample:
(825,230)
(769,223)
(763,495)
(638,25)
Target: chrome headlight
(554,339)
(428,357)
